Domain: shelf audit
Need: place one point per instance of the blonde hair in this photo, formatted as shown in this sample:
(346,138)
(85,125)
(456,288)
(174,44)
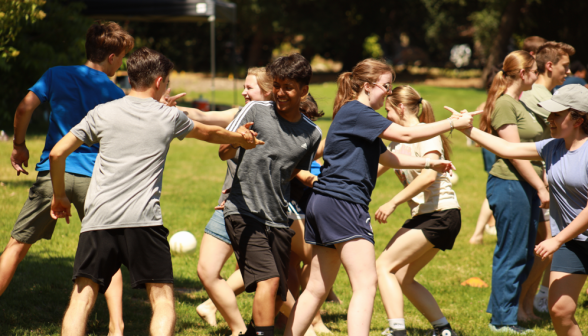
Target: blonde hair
(265,83)
(350,84)
(411,99)
(513,63)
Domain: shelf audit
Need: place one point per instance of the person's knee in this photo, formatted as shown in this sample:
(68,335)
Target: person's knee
(367,284)
(206,273)
(269,285)
(383,268)
(160,294)
(561,312)
(16,250)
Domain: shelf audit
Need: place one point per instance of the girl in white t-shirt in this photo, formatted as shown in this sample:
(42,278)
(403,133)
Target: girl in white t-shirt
(434,225)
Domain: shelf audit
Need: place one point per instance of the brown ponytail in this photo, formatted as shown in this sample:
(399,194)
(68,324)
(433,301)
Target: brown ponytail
(410,98)
(350,84)
(513,63)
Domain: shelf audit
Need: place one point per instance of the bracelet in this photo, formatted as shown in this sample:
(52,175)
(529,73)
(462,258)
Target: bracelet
(451,126)
(18,144)
(427,163)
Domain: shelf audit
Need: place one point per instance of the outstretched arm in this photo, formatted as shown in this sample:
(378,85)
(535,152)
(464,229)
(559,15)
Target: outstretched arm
(419,133)
(393,160)
(418,185)
(22,118)
(503,148)
(60,205)
(222,119)
(218,135)
(306,177)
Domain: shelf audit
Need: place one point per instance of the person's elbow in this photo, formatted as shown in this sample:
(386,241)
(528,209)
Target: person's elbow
(57,154)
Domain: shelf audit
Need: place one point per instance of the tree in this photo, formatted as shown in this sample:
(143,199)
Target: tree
(14,14)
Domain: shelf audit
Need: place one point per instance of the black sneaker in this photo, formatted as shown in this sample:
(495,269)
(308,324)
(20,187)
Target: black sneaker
(510,329)
(443,331)
(392,332)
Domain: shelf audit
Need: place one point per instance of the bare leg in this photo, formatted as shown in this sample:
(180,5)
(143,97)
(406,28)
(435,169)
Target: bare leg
(323,272)
(483,219)
(265,302)
(81,303)
(161,296)
(113,297)
(564,291)
(530,286)
(213,255)
(405,248)
(286,310)
(13,254)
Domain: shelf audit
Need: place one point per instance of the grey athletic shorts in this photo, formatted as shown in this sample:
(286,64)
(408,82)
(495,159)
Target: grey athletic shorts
(34,221)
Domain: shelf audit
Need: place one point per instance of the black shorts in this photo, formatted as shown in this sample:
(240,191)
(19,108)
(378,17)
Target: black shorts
(144,251)
(262,252)
(440,228)
(571,257)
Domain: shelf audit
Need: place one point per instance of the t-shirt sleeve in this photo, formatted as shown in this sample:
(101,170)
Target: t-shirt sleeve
(183,125)
(504,114)
(242,117)
(431,145)
(383,147)
(369,124)
(308,158)
(87,129)
(544,147)
(42,87)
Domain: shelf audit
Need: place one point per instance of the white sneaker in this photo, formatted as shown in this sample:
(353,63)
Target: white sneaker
(540,303)
(490,230)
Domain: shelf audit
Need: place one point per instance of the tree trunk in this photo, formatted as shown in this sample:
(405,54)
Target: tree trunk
(508,22)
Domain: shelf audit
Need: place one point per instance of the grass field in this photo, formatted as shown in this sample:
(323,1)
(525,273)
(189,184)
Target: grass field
(37,297)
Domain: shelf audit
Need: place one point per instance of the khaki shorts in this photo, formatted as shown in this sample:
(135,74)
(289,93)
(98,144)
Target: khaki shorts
(34,221)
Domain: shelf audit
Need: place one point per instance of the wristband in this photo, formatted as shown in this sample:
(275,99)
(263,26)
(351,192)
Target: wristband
(427,163)
(451,126)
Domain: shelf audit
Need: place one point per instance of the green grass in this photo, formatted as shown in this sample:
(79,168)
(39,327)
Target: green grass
(38,295)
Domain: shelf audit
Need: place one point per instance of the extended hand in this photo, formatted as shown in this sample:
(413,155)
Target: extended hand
(248,134)
(385,211)
(464,119)
(249,140)
(442,166)
(60,208)
(547,247)
(544,197)
(20,158)
(170,101)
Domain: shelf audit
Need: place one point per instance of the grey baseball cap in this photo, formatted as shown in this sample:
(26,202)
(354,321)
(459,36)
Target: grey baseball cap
(573,96)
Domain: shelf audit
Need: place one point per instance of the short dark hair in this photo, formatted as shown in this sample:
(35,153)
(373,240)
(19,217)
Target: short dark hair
(293,66)
(577,66)
(145,65)
(551,52)
(106,38)
(309,108)
(532,43)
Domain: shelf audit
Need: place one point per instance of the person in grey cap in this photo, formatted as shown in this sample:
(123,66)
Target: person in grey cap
(566,161)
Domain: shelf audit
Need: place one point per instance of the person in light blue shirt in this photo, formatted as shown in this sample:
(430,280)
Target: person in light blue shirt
(566,159)
(71,91)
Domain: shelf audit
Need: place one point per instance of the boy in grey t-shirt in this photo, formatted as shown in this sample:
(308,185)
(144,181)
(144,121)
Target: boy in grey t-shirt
(256,210)
(123,223)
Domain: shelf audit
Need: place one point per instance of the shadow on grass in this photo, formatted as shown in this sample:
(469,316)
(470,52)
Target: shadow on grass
(20,184)
(39,294)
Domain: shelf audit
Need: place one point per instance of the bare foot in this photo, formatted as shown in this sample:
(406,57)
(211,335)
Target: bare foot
(531,316)
(321,328)
(207,312)
(477,240)
(522,316)
(332,297)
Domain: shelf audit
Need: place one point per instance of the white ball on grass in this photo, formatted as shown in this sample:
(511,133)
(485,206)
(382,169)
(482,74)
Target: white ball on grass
(183,242)
(453,178)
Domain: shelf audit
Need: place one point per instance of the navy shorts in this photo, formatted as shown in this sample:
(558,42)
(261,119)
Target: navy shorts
(572,258)
(330,221)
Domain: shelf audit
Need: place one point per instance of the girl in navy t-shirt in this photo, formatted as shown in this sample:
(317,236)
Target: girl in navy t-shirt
(566,161)
(337,217)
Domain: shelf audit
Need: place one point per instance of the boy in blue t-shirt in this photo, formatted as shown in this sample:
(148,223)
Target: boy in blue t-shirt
(72,91)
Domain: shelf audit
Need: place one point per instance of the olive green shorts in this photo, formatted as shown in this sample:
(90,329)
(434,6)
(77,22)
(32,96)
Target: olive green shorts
(34,221)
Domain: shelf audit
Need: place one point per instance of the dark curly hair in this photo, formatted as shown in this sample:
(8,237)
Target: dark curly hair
(293,66)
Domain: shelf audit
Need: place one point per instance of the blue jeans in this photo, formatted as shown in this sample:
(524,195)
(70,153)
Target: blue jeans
(515,205)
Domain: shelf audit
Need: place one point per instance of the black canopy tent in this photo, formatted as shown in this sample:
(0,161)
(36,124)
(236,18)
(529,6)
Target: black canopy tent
(170,11)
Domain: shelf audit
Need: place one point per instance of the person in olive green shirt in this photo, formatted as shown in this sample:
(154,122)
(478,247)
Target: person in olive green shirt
(553,62)
(515,190)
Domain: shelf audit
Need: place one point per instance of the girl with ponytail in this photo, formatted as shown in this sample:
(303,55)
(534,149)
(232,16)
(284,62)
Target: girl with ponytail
(515,190)
(337,217)
(435,222)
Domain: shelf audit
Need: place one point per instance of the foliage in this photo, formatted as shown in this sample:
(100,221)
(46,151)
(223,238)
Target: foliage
(14,14)
(58,39)
(372,48)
